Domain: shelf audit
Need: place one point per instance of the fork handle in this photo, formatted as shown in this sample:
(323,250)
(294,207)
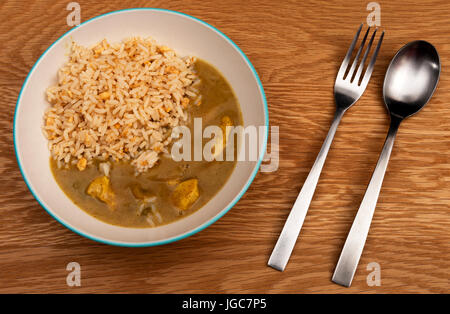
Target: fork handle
(354,245)
(288,237)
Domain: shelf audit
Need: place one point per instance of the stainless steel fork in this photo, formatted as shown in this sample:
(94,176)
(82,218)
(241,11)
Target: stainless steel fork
(348,88)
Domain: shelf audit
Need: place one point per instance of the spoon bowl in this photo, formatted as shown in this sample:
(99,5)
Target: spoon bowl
(411,78)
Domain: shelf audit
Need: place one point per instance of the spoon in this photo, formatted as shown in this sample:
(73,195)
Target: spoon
(410,81)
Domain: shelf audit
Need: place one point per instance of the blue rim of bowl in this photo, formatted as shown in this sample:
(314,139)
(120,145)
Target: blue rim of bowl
(197,229)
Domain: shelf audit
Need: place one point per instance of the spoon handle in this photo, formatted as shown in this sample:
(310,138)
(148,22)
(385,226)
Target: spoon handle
(353,247)
(288,237)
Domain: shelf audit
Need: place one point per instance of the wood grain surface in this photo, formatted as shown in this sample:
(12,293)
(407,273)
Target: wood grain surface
(296,47)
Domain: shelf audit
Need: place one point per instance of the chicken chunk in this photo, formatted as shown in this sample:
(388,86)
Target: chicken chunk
(185,194)
(100,188)
(219,147)
(226,121)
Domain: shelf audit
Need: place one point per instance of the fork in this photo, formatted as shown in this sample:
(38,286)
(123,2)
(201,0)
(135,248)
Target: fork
(348,88)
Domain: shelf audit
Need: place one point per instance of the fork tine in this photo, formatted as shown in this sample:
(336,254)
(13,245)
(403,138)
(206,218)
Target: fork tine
(366,53)
(355,62)
(369,69)
(349,54)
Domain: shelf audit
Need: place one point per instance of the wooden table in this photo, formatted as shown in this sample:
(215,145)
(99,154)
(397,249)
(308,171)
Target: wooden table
(296,47)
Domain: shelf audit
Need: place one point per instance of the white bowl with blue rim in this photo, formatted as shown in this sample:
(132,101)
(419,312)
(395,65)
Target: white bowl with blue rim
(188,36)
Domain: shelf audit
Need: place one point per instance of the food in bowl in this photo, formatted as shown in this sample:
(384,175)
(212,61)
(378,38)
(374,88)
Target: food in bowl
(109,127)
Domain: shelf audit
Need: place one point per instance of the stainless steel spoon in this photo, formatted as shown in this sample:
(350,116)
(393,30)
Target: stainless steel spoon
(410,81)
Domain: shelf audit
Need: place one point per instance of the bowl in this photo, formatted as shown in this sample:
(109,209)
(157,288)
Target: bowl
(188,36)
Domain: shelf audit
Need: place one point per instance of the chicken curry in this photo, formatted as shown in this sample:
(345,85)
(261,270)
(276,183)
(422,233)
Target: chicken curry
(115,194)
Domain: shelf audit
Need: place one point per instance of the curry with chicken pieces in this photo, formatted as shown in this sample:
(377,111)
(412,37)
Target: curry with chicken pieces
(113,192)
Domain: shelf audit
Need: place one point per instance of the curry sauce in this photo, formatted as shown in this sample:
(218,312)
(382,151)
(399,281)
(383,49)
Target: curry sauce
(162,184)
